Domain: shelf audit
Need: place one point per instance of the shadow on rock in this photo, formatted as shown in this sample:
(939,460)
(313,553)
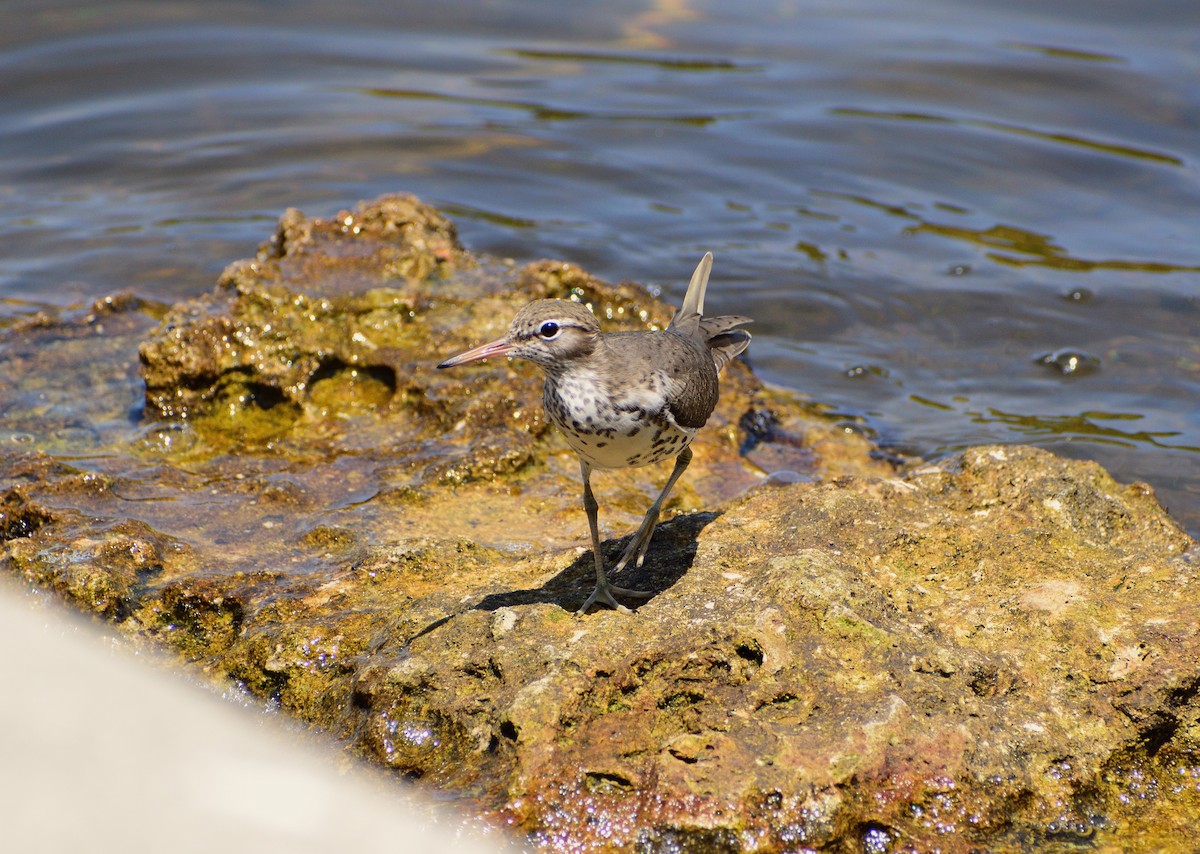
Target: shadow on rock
(671,553)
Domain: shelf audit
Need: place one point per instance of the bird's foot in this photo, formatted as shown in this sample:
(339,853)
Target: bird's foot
(603,595)
(640,544)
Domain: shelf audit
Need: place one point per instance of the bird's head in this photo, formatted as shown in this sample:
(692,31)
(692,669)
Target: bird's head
(550,333)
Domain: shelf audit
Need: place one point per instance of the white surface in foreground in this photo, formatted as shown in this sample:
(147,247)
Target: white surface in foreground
(102,750)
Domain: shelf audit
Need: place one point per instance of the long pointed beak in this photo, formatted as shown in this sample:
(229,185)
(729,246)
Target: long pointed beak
(485,351)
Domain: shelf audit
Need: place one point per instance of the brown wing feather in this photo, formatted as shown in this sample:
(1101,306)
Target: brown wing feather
(725,341)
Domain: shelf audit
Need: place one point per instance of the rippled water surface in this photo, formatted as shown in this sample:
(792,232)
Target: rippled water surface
(961,222)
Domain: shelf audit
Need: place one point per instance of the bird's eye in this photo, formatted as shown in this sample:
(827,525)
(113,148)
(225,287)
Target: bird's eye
(549,330)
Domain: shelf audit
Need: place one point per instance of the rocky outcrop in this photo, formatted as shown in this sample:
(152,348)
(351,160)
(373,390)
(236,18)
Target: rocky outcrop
(993,652)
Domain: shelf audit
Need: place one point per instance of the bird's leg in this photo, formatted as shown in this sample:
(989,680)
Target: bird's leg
(641,540)
(603,594)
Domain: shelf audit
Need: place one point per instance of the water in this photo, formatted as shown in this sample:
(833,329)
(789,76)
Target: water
(918,201)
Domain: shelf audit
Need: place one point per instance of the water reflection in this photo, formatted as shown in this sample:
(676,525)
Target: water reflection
(1085,426)
(1067,53)
(664,62)
(1003,127)
(1043,249)
(546,113)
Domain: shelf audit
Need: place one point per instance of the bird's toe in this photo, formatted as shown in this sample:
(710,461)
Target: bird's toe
(603,595)
(637,548)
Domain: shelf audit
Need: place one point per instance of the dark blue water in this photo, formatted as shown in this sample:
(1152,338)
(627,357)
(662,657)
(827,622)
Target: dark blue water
(917,200)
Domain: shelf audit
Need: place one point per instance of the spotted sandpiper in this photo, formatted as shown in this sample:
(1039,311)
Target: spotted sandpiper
(623,399)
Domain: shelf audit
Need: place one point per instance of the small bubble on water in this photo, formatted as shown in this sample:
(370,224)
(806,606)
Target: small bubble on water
(852,428)
(858,372)
(1078,295)
(1069,362)
(959,270)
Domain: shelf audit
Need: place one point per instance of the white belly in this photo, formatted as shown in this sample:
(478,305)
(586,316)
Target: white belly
(614,432)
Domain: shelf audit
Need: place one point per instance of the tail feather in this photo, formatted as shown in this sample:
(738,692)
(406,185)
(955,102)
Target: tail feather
(711,327)
(693,301)
(720,334)
(726,341)
(686,320)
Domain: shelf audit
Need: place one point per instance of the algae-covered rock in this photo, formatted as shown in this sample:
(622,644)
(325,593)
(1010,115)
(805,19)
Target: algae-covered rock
(282,358)
(318,303)
(961,658)
(993,652)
